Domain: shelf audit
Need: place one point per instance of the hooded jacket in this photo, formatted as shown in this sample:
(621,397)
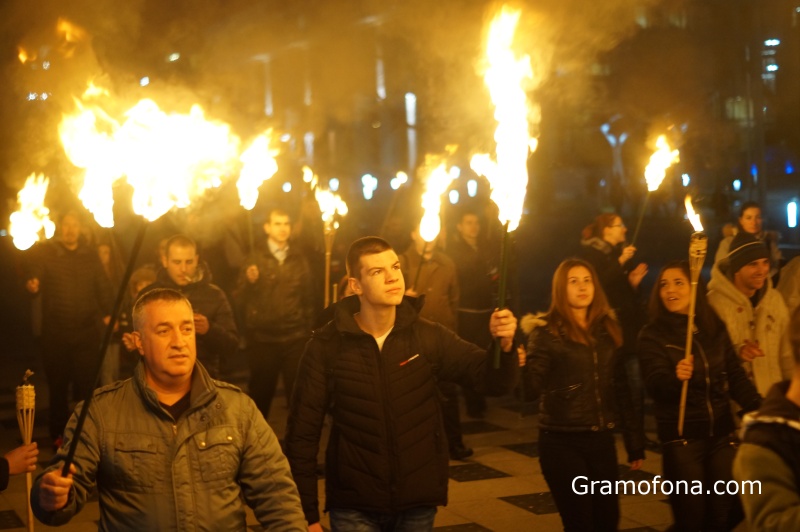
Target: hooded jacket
(207,299)
(387,450)
(717,377)
(582,387)
(770,454)
(767,324)
(153,472)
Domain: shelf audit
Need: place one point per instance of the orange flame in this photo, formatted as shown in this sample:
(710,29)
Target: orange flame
(506,78)
(259,164)
(694,217)
(168,158)
(661,159)
(331,205)
(23,55)
(436,184)
(32,218)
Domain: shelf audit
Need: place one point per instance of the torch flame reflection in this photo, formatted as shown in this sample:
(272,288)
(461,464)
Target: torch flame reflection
(661,159)
(694,217)
(33,217)
(506,77)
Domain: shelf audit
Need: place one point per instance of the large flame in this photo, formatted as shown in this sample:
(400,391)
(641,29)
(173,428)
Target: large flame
(32,218)
(168,158)
(258,165)
(661,159)
(506,78)
(693,217)
(436,184)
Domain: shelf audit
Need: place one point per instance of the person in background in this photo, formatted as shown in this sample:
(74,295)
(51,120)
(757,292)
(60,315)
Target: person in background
(76,305)
(741,293)
(476,272)
(432,275)
(171,448)
(789,284)
(18,461)
(217,336)
(750,222)
(275,293)
(574,363)
(603,245)
(704,452)
(770,453)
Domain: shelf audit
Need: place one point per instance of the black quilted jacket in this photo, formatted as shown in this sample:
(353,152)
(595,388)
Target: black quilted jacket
(387,450)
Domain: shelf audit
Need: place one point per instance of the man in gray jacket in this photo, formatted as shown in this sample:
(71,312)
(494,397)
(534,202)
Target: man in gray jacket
(171,449)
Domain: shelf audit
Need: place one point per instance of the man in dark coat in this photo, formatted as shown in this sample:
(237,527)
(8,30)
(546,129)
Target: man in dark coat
(276,299)
(213,318)
(76,303)
(374,369)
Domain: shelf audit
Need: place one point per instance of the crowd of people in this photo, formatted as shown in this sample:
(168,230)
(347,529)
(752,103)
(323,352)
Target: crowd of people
(167,444)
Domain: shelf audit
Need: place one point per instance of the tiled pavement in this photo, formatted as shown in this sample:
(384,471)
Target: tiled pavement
(500,488)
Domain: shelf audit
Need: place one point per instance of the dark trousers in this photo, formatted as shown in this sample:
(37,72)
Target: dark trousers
(450,414)
(564,456)
(268,360)
(708,460)
(69,360)
(474,327)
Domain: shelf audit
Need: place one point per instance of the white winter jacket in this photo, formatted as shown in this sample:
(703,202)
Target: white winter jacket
(767,323)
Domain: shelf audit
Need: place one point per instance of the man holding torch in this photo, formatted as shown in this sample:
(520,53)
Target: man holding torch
(276,298)
(171,449)
(374,370)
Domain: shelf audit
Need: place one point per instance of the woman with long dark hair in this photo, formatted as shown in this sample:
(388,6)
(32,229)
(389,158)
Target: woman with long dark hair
(703,455)
(572,361)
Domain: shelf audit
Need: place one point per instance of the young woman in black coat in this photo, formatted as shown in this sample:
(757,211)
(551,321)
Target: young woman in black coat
(703,455)
(573,362)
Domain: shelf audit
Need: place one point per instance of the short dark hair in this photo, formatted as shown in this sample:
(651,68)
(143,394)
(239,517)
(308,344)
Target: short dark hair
(157,294)
(277,212)
(368,245)
(181,241)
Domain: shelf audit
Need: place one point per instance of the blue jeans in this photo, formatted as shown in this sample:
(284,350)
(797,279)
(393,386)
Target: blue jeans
(418,519)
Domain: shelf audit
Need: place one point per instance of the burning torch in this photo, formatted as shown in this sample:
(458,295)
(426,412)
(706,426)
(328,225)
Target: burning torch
(436,184)
(698,246)
(32,219)
(654,174)
(331,207)
(507,78)
(26,412)
(258,165)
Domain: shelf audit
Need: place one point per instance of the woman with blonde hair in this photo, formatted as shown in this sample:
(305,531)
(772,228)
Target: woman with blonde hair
(573,363)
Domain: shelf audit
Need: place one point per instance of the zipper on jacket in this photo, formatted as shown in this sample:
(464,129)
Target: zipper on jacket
(708,389)
(597,389)
(174,429)
(389,432)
